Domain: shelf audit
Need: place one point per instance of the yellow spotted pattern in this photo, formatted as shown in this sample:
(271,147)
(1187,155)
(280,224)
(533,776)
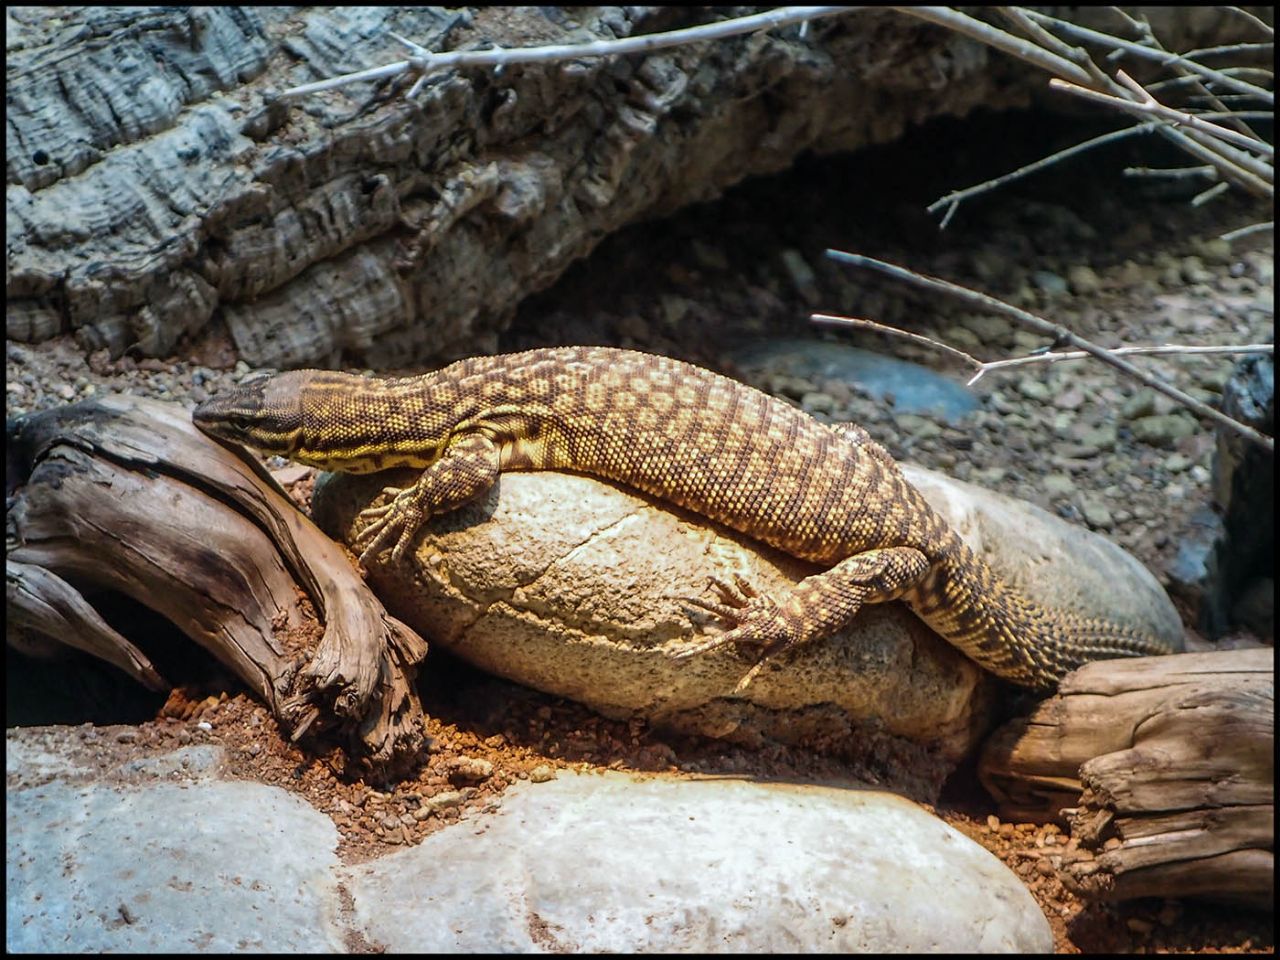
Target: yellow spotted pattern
(696,439)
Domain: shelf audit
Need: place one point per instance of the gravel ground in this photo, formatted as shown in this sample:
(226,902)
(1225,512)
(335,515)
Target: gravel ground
(1081,246)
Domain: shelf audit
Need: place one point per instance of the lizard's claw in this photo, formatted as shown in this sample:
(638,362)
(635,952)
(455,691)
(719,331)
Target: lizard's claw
(392,523)
(755,619)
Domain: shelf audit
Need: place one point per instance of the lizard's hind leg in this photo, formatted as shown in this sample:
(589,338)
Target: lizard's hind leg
(817,607)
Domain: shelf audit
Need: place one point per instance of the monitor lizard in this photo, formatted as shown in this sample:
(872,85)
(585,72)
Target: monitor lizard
(827,494)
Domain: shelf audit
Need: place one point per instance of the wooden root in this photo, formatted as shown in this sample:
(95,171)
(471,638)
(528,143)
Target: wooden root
(124,494)
(1163,767)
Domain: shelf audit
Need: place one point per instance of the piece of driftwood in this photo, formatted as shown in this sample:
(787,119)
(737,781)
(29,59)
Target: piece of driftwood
(124,494)
(1164,769)
(156,182)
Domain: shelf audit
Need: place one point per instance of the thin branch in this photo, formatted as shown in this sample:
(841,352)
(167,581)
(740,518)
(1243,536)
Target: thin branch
(1189,78)
(1173,173)
(1260,24)
(1168,348)
(1228,48)
(1060,334)
(1247,231)
(1148,53)
(830,320)
(956,196)
(1143,27)
(1246,171)
(1153,107)
(995,37)
(984,367)
(1077,55)
(425,62)
(1240,168)
(1200,199)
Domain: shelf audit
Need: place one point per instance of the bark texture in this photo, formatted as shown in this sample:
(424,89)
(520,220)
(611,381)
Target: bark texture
(154,183)
(125,495)
(1165,769)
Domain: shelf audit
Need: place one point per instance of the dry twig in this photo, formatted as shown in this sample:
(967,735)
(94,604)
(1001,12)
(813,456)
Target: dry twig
(1229,149)
(1151,107)
(983,367)
(1060,335)
(1247,231)
(424,61)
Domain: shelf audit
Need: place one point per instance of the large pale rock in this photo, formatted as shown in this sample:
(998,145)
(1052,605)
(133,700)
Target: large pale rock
(573,586)
(166,854)
(615,863)
(159,856)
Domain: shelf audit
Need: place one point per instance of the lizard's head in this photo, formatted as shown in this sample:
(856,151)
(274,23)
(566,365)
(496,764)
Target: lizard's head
(266,413)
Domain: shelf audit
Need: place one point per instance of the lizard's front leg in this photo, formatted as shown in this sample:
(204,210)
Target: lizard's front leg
(468,467)
(817,607)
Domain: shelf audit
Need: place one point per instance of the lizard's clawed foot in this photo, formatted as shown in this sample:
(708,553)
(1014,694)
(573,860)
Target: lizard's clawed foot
(392,523)
(755,619)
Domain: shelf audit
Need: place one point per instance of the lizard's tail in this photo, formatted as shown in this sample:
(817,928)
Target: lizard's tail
(1011,636)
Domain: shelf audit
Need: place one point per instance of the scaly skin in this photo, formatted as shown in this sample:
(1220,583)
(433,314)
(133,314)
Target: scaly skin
(830,495)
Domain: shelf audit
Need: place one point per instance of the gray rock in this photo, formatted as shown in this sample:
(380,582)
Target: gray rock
(1163,429)
(1083,280)
(613,863)
(1034,389)
(922,428)
(1193,270)
(1101,436)
(818,402)
(1058,484)
(991,330)
(1214,378)
(165,868)
(1049,282)
(1141,404)
(961,337)
(1096,513)
(602,862)
(1215,250)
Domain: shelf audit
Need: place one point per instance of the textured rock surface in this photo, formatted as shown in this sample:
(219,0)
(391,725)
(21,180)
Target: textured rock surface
(115,861)
(154,185)
(615,863)
(571,586)
(164,853)
(1245,487)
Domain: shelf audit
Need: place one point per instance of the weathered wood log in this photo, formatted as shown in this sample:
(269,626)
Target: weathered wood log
(1163,767)
(155,182)
(124,494)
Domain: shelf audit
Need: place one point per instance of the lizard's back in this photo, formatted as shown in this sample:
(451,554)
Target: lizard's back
(692,437)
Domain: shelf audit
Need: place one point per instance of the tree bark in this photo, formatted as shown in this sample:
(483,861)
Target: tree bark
(124,494)
(1163,766)
(156,183)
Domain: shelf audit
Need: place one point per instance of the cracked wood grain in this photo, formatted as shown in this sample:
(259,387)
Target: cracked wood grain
(1164,769)
(125,495)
